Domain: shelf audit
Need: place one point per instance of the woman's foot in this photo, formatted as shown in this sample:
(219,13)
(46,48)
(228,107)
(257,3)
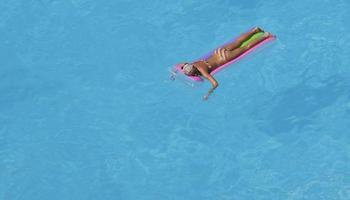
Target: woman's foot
(266,34)
(257,30)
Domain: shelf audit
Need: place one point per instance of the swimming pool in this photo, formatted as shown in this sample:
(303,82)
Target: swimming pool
(87,110)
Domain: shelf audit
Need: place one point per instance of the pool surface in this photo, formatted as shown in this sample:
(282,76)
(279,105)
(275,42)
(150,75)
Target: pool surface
(87,110)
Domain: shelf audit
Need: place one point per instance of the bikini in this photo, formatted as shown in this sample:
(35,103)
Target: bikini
(220,53)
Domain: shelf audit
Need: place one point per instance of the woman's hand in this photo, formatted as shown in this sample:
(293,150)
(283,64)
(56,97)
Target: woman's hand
(209,93)
(172,74)
(172,77)
(212,80)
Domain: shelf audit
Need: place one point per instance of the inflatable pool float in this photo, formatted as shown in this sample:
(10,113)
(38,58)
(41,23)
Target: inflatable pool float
(177,67)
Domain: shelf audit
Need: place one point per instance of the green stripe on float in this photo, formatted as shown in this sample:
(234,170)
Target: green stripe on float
(256,35)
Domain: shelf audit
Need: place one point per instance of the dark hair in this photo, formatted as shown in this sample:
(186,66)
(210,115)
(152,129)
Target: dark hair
(195,72)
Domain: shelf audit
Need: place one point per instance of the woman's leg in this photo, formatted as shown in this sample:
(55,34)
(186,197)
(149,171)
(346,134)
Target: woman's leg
(230,55)
(235,44)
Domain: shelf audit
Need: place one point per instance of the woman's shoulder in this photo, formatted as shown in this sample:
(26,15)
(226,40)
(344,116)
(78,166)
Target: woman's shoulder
(198,63)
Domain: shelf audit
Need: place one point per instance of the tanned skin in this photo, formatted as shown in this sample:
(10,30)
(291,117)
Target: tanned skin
(230,51)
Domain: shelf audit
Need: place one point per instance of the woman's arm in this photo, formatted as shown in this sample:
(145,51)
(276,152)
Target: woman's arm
(212,80)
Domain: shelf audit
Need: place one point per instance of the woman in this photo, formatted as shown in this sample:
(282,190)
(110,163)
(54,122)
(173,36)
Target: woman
(221,56)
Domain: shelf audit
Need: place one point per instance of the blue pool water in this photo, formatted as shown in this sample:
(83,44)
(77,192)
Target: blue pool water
(87,110)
